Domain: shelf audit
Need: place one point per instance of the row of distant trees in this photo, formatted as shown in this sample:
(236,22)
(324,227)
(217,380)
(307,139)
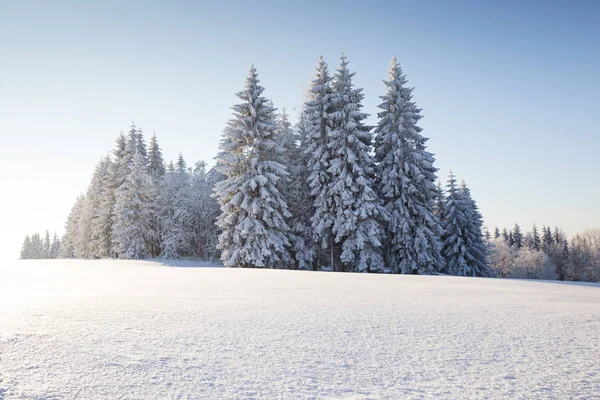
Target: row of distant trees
(544,254)
(37,247)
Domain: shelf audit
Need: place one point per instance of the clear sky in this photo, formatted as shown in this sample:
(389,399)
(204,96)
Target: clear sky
(510,91)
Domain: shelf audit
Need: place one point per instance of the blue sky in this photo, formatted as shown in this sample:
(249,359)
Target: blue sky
(509,90)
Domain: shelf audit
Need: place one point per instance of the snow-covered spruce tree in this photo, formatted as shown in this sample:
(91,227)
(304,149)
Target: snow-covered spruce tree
(46,245)
(99,206)
(185,208)
(357,209)
(131,228)
(253,210)
(476,245)
(297,191)
(517,236)
(212,210)
(439,207)
(454,246)
(536,243)
(55,247)
(36,247)
(406,183)
(166,209)
(156,163)
(496,233)
(26,249)
(464,249)
(71,236)
(317,128)
(141,144)
(156,170)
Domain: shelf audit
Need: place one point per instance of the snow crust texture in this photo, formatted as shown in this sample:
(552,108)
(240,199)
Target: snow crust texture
(141,330)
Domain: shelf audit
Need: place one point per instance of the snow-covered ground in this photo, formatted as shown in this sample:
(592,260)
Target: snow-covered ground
(142,330)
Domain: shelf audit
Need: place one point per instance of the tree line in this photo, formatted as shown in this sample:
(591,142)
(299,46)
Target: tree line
(329,192)
(544,253)
(37,247)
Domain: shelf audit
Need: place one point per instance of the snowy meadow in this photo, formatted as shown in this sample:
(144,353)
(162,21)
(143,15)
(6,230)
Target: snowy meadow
(109,329)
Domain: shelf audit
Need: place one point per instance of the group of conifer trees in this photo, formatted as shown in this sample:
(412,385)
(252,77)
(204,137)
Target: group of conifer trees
(335,193)
(37,247)
(137,207)
(329,192)
(545,254)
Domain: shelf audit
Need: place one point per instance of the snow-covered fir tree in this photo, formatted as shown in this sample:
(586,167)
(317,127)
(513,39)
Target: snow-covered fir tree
(71,243)
(175,212)
(297,191)
(318,126)
(476,244)
(496,233)
(357,209)
(132,226)
(156,163)
(166,211)
(407,182)
(464,249)
(254,230)
(26,249)
(100,199)
(156,170)
(46,245)
(517,236)
(440,202)
(141,144)
(536,243)
(55,247)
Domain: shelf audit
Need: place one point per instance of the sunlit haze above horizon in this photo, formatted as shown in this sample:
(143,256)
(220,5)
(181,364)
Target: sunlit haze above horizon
(509,91)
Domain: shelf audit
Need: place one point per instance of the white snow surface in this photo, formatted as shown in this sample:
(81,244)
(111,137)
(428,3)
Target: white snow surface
(142,330)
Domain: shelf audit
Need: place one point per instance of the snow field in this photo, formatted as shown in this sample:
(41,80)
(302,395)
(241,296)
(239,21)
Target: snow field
(141,330)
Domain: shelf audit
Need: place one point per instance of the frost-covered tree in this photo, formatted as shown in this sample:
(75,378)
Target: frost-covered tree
(170,235)
(464,249)
(55,247)
(496,233)
(26,249)
(356,207)
(156,163)
(297,190)
(317,127)
(156,170)
(175,211)
(140,144)
(132,228)
(454,246)
(46,245)
(203,210)
(505,235)
(536,243)
(547,240)
(100,200)
(440,202)
(36,247)
(253,210)
(502,258)
(407,182)
(517,236)
(532,264)
(71,239)
(476,244)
